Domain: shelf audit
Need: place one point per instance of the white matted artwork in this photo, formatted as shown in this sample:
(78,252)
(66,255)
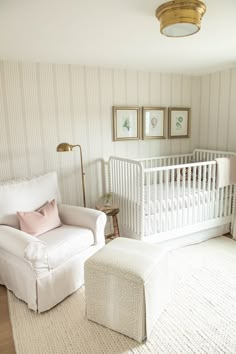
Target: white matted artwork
(154,122)
(126,123)
(179,123)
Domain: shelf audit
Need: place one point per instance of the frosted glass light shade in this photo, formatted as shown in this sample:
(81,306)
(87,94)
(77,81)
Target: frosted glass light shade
(180,18)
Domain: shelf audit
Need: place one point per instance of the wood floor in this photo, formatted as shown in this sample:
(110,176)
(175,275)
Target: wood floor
(6,338)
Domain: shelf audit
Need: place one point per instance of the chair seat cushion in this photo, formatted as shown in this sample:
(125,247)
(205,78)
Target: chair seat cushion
(65,242)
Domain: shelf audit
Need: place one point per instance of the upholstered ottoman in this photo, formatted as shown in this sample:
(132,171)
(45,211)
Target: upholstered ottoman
(126,286)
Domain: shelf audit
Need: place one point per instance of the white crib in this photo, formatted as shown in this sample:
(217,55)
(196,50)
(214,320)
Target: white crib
(172,197)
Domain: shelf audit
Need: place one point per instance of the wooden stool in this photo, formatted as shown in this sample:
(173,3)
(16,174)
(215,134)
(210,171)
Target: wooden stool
(111,210)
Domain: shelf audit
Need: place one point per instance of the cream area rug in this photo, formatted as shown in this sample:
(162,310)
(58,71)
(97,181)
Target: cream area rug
(201,317)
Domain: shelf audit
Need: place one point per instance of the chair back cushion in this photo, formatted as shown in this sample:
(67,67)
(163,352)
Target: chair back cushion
(26,195)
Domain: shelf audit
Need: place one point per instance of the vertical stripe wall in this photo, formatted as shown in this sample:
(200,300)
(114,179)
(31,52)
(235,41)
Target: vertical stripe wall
(42,105)
(217,119)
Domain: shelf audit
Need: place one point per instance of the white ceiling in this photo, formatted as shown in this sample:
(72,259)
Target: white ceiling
(115,33)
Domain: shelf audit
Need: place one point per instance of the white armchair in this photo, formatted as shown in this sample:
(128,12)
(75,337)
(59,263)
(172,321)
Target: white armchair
(43,270)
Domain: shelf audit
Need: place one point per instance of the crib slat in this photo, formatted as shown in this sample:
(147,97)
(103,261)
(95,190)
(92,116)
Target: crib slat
(148,201)
(123,193)
(233,206)
(217,194)
(203,192)
(178,197)
(209,181)
(140,210)
(136,189)
(226,200)
(182,197)
(172,197)
(194,196)
(114,173)
(188,221)
(133,198)
(199,193)
(128,171)
(213,191)
(126,186)
(230,199)
(222,192)
(125,180)
(167,199)
(161,200)
(156,211)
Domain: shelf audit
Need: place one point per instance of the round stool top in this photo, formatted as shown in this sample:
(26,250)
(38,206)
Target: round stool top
(109,210)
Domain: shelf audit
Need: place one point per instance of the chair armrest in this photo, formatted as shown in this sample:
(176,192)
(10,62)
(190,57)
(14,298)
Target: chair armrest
(92,219)
(25,247)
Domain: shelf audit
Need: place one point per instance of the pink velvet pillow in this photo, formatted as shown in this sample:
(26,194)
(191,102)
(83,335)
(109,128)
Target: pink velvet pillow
(42,220)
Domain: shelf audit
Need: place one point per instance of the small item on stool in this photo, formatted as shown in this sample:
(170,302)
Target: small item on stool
(126,286)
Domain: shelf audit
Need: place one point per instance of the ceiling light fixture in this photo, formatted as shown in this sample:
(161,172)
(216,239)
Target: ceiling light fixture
(180,18)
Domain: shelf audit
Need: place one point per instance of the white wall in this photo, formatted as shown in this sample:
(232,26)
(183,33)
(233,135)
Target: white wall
(42,105)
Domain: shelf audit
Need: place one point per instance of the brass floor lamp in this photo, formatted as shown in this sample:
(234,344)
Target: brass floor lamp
(65,147)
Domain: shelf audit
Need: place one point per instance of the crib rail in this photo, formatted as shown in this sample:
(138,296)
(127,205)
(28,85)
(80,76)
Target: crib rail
(209,155)
(165,160)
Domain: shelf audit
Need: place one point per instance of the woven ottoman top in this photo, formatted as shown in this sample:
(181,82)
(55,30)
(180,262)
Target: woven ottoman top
(128,258)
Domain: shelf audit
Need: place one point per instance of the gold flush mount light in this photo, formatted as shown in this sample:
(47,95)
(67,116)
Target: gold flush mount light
(180,18)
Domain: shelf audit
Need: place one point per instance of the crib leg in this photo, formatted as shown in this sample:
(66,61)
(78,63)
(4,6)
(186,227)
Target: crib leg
(233,227)
(234,230)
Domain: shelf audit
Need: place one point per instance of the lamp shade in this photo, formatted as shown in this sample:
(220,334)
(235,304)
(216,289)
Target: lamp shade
(64,147)
(180,18)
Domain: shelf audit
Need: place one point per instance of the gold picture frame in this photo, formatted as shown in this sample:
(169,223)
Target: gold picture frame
(178,122)
(126,123)
(154,122)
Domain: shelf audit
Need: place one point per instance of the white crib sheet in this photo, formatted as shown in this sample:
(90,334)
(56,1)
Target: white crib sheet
(174,219)
(156,197)
(184,208)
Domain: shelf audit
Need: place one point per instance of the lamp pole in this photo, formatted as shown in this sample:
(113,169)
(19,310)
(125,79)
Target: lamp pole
(65,147)
(82,173)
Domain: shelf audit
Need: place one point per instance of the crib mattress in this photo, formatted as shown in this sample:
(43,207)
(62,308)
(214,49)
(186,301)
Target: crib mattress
(180,207)
(157,198)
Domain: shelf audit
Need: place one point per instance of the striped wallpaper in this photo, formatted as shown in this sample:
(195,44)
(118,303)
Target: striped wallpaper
(42,105)
(217,114)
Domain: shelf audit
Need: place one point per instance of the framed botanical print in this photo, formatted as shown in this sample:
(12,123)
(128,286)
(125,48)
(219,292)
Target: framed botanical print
(126,123)
(154,122)
(179,122)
